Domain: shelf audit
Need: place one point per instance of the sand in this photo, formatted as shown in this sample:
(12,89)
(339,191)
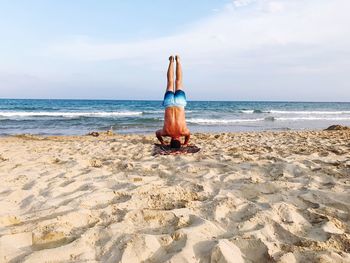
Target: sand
(245,197)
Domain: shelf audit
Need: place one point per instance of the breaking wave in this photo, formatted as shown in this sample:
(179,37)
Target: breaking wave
(10,114)
(270,118)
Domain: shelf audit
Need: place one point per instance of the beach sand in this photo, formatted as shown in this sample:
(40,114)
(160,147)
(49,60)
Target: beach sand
(245,197)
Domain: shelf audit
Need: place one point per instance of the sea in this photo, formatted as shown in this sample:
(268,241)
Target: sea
(78,117)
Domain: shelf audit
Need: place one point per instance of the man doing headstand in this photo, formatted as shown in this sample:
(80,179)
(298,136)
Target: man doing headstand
(174,103)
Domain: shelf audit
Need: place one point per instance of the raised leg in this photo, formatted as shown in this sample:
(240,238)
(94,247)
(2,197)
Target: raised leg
(178,81)
(170,75)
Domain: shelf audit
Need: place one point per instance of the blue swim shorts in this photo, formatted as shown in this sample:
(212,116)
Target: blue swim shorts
(175,99)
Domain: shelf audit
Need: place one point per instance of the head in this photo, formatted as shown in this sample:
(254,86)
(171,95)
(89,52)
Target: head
(175,143)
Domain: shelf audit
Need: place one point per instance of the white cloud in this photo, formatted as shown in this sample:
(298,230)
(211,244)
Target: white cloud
(240,3)
(289,38)
(275,6)
(299,24)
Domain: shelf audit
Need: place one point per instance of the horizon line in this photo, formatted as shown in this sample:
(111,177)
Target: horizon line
(72,99)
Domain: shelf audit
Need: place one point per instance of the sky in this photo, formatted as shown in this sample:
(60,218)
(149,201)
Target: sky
(270,50)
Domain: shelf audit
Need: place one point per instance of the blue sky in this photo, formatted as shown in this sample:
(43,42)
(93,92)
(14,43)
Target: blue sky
(231,49)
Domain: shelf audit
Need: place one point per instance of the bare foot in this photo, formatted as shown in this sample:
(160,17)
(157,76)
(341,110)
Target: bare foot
(177,58)
(171,58)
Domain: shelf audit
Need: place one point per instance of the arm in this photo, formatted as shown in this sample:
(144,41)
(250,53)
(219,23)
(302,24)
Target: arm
(187,137)
(159,135)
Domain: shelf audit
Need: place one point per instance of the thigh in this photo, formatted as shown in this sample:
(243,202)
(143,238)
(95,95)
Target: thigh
(180,98)
(169,99)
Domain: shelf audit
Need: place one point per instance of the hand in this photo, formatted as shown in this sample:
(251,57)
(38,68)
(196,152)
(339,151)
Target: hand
(171,58)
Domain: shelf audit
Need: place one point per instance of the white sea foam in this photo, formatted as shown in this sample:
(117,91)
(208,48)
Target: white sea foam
(233,121)
(247,111)
(10,114)
(254,111)
(153,111)
(310,112)
(314,119)
(221,121)
(296,112)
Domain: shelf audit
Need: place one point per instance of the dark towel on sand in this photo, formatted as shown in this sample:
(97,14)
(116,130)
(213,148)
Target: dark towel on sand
(166,150)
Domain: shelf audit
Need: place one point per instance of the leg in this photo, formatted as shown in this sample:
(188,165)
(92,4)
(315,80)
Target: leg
(170,75)
(178,82)
(179,96)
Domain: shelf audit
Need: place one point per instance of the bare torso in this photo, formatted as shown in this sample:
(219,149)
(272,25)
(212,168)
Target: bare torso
(174,122)
(174,116)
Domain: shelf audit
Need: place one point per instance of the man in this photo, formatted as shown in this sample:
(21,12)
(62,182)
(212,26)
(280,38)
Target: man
(174,103)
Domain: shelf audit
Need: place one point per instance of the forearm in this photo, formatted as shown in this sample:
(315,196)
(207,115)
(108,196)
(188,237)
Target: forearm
(159,137)
(187,139)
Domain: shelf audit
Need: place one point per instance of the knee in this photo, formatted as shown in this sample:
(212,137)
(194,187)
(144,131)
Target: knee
(178,83)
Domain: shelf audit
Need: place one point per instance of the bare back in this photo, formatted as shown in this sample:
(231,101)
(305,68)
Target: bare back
(174,122)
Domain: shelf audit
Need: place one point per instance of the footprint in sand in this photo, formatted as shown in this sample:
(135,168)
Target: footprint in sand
(253,250)
(50,240)
(152,222)
(29,185)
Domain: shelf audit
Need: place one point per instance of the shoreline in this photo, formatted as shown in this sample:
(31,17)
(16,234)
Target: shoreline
(116,133)
(255,196)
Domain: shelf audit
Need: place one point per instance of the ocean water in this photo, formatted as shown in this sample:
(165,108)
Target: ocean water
(67,117)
